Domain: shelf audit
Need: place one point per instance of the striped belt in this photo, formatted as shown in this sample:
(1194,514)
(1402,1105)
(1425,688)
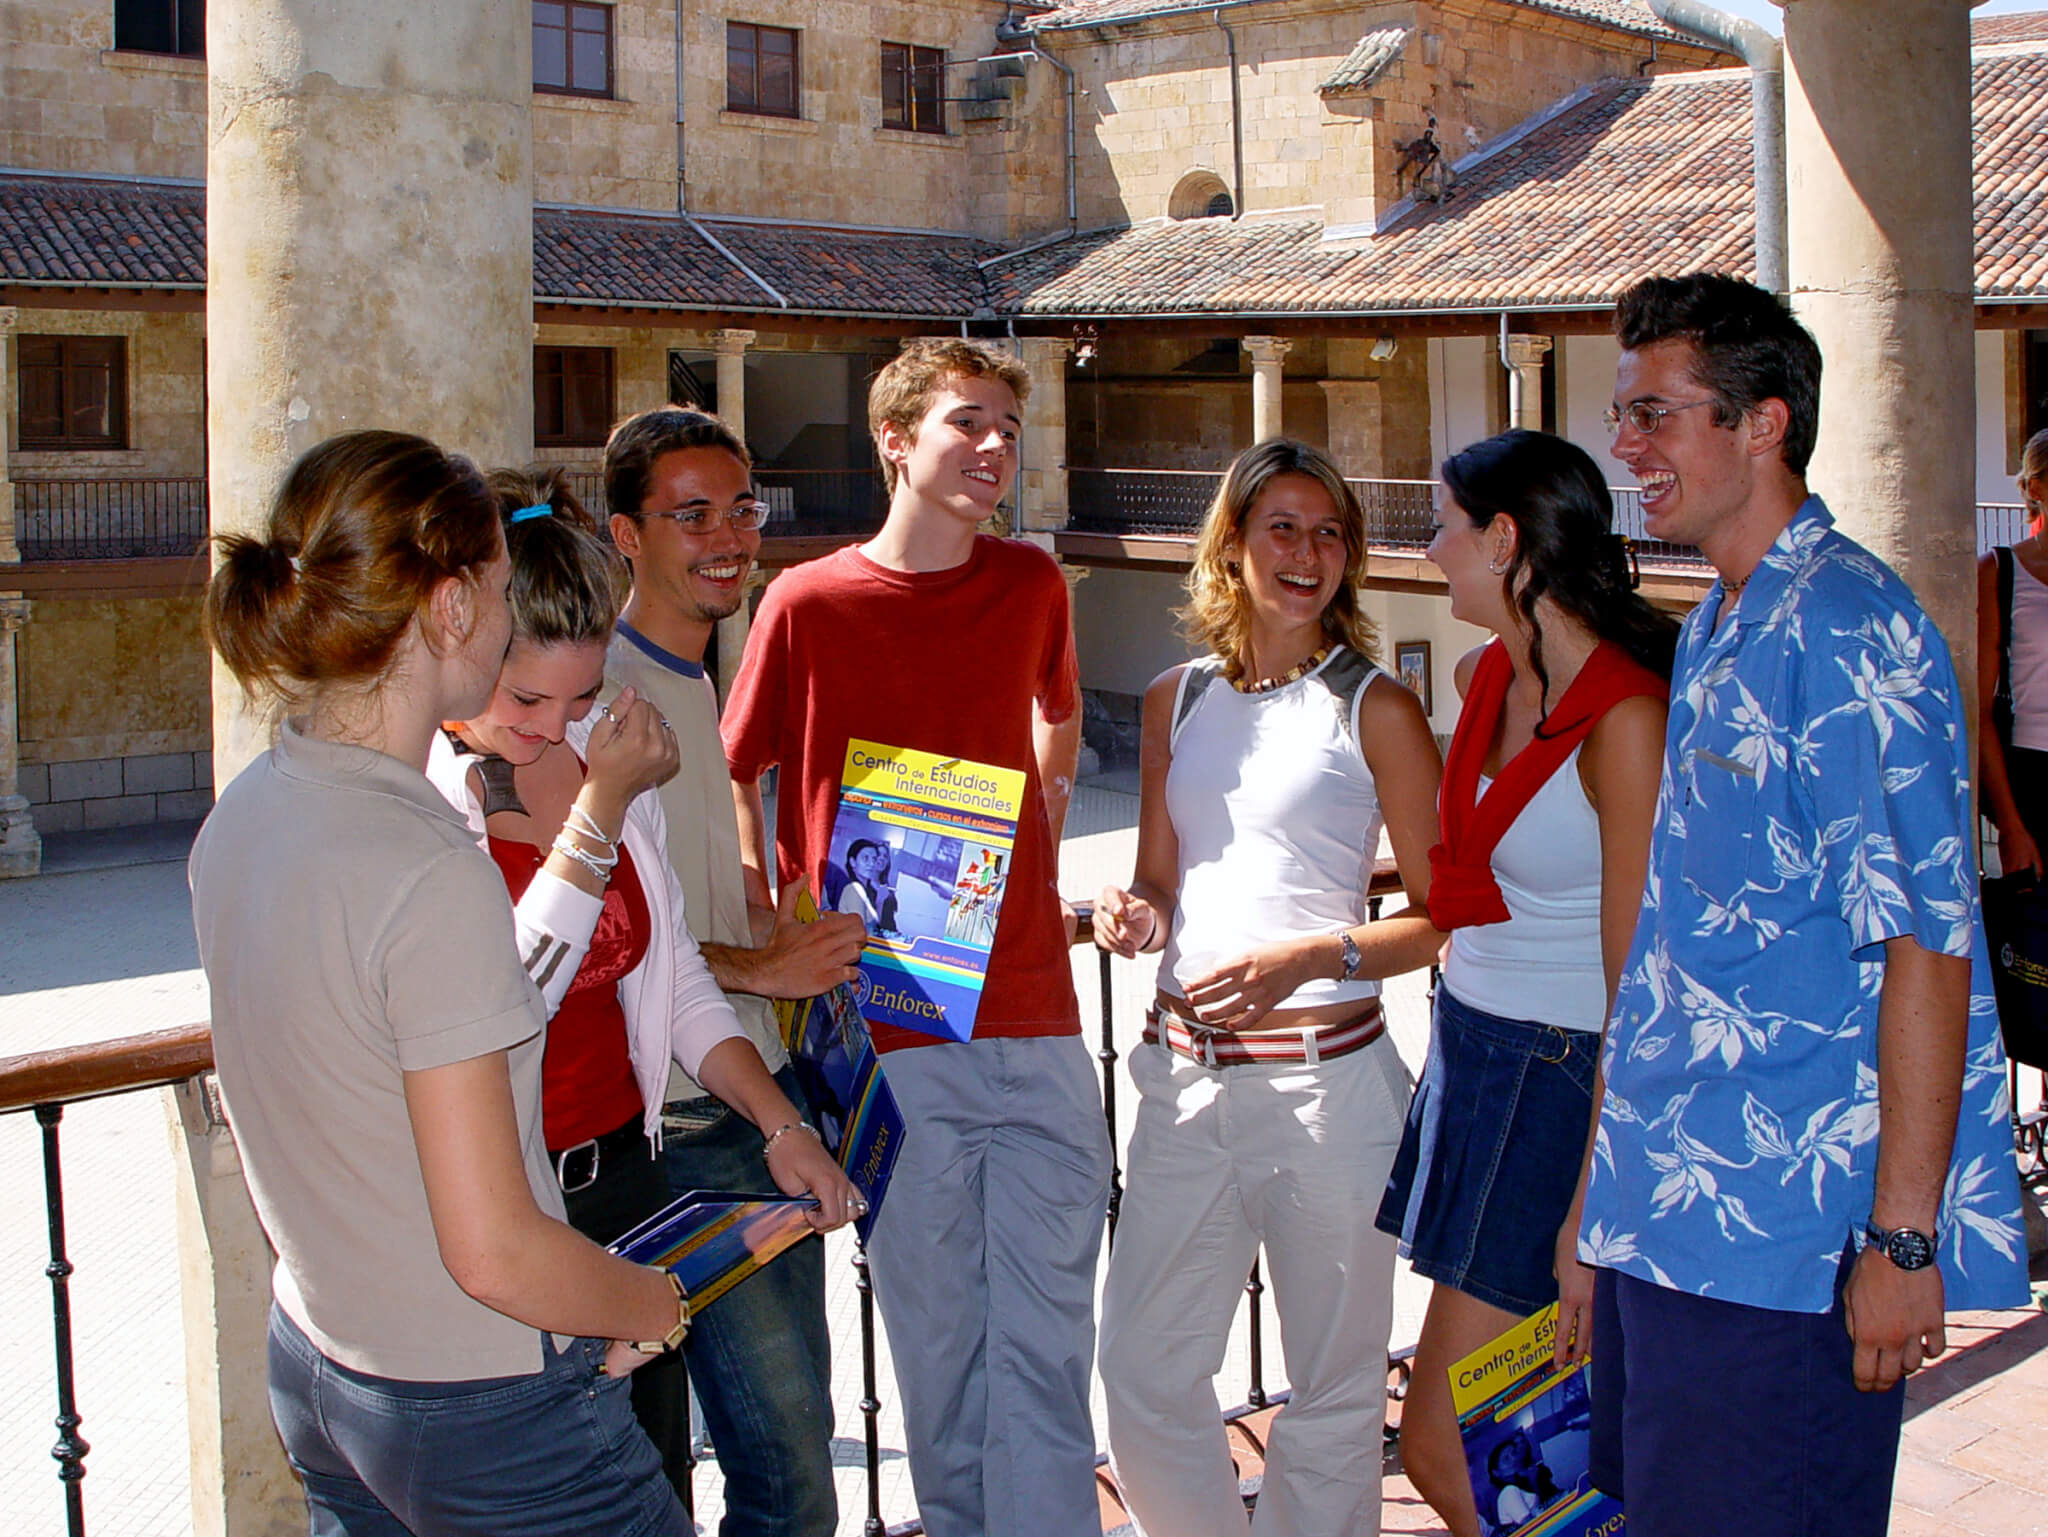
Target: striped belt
(1230,1048)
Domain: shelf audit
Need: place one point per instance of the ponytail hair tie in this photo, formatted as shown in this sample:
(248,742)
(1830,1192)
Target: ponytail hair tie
(537,510)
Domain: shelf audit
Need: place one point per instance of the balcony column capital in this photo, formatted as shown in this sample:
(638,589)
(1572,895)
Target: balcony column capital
(732,342)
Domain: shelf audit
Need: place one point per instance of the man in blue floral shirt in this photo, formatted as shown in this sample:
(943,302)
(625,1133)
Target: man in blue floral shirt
(1803,1153)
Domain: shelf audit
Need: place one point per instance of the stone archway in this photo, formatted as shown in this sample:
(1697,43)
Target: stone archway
(1200,194)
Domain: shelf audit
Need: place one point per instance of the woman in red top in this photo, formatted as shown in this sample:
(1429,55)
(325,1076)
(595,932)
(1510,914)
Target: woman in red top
(566,809)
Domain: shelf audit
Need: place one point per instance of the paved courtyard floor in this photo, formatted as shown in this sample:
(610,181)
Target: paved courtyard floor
(99,947)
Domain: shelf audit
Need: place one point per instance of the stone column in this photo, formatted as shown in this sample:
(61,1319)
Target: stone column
(1878,168)
(369,212)
(1267,355)
(369,217)
(731,347)
(1042,476)
(1524,359)
(10,552)
(21,847)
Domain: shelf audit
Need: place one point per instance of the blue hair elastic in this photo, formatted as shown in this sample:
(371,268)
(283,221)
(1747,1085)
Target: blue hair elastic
(537,510)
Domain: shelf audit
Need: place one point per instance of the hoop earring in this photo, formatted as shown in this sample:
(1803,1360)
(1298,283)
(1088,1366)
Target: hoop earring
(1497,570)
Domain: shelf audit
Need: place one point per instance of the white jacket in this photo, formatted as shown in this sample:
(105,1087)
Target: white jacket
(673,1007)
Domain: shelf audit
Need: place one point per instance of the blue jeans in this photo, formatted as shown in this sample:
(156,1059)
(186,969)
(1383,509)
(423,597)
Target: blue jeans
(759,1357)
(536,1456)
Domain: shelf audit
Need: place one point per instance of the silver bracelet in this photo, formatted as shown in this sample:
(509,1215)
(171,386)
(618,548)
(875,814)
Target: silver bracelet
(784,1130)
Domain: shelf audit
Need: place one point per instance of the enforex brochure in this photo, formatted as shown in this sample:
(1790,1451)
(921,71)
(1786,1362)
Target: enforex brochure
(715,1239)
(927,842)
(834,1060)
(1526,1427)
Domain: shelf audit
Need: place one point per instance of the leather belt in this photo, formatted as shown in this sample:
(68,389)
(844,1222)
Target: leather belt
(576,1167)
(1232,1048)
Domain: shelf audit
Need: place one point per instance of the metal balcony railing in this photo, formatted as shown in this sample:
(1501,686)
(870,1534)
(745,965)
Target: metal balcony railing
(109,519)
(46,1083)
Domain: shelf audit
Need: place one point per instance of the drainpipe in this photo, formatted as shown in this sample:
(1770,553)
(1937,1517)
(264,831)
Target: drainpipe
(1236,121)
(1073,207)
(682,186)
(1765,56)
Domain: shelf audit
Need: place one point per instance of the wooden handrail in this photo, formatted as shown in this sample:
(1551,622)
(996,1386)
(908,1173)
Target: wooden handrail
(105,1067)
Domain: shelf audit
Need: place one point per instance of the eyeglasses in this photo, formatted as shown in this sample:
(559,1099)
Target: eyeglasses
(1644,417)
(743,517)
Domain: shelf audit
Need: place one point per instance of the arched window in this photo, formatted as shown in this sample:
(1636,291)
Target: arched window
(1200,195)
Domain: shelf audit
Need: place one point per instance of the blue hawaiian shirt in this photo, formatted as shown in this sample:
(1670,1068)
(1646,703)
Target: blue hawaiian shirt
(1814,802)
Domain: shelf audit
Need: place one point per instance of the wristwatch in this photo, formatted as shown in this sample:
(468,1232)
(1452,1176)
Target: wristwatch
(1352,959)
(1908,1248)
(674,1337)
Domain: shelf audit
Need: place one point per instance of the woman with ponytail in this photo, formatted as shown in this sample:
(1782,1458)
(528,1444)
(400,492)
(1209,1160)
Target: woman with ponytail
(447,1355)
(559,791)
(1549,792)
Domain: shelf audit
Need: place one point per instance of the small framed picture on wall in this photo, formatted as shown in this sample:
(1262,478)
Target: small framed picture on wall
(1411,666)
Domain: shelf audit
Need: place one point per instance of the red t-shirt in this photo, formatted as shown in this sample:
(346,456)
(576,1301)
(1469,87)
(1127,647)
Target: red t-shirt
(586,1074)
(948,662)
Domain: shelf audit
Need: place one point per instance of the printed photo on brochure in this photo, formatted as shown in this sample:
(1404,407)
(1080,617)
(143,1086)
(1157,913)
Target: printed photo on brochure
(921,850)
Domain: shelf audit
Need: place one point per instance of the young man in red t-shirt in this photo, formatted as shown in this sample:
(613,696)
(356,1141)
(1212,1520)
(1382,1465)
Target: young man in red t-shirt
(933,637)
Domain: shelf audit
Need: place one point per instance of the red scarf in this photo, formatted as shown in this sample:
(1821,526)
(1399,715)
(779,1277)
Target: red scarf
(1462,890)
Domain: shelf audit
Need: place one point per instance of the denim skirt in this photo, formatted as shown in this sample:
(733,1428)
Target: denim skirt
(1490,1153)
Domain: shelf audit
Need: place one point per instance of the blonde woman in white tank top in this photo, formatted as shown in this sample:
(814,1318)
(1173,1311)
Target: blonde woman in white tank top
(1270,1099)
(2015,780)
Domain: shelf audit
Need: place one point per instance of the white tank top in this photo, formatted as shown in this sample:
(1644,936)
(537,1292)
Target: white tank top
(1277,821)
(2029,660)
(1544,962)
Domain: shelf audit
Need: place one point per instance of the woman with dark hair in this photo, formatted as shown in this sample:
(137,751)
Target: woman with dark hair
(1549,793)
(563,802)
(438,1340)
(867,892)
(1270,1098)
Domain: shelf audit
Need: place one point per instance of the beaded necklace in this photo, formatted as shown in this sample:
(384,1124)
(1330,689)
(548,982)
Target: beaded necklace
(1301,669)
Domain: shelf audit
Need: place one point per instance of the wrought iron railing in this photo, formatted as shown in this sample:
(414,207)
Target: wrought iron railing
(1399,514)
(801,503)
(109,519)
(46,1083)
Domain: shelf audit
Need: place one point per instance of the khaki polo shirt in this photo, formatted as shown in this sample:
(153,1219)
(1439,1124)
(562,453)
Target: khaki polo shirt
(703,833)
(352,931)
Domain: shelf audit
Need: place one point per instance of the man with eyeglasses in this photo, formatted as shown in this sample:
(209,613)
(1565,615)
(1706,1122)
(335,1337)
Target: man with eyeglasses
(685,514)
(1803,1154)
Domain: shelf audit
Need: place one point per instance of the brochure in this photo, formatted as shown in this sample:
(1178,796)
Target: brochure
(921,850)
(1527,1428)
(715,1239)
(834,1059)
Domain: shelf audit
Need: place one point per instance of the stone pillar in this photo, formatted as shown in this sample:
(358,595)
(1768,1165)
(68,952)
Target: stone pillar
(1267,355)
(10,552)
(1042,473)
(369,213)
(241,1484)
(369,216)
(1524,359)
(21,847)
(731,347)
(1878,168)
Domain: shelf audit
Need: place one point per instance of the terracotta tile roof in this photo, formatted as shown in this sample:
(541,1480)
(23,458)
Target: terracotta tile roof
(90,233)
(585,257)
(1630,16)
(2028,27)
(1631,178)
(1374,55)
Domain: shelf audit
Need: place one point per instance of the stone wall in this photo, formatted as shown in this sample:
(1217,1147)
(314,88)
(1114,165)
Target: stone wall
(1158,102)
(114,697)
(69,102)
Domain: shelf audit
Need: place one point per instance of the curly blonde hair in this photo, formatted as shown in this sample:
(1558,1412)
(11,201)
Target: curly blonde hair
(1218,613)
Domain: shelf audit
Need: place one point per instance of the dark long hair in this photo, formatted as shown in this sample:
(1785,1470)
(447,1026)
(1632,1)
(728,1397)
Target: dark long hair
(1567,549)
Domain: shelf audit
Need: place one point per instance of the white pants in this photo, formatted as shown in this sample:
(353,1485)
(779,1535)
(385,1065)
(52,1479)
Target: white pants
(984,1267)
(1221,1161)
